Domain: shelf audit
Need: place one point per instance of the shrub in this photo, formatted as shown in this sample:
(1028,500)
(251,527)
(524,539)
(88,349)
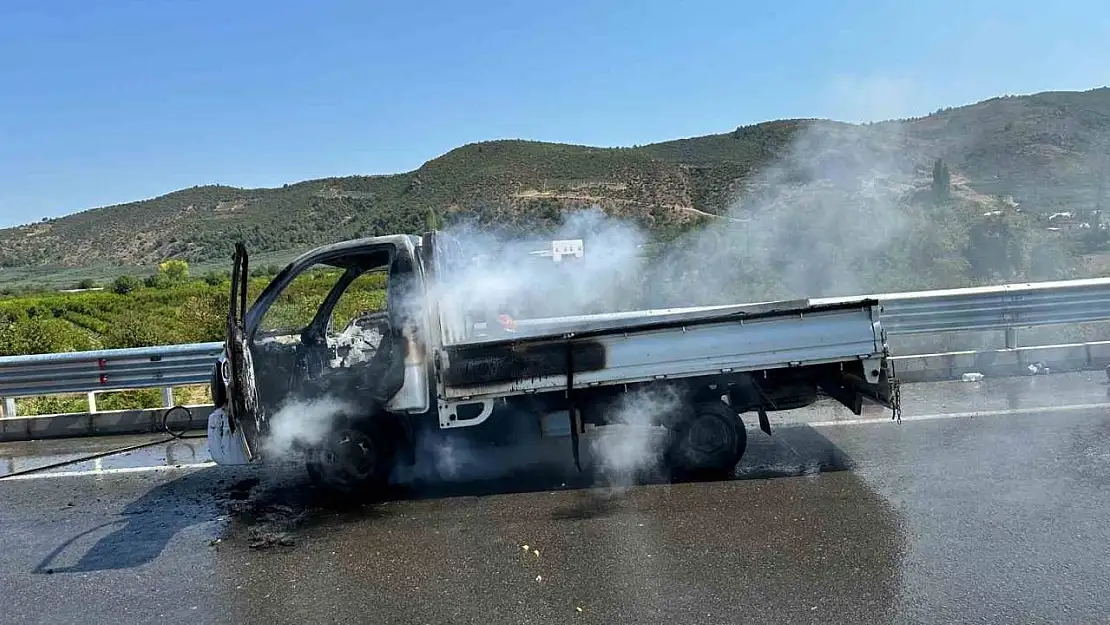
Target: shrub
(134,329)
(125,284)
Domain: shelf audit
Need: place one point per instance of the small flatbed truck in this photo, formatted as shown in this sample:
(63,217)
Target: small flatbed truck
(419,366)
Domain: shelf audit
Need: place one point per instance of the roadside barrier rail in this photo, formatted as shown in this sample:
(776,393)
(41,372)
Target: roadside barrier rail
(1006,307)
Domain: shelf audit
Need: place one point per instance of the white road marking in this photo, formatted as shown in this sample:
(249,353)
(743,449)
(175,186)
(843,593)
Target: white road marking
(110,471)
(958,415)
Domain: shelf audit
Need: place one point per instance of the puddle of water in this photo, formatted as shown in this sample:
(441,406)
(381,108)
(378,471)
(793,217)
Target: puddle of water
(17,457)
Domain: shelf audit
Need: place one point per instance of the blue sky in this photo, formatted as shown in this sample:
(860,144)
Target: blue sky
(108,101)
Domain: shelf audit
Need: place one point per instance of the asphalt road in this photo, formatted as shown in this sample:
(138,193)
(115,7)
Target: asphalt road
(972,519)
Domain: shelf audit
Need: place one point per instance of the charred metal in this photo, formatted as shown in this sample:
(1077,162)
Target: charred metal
(477,365)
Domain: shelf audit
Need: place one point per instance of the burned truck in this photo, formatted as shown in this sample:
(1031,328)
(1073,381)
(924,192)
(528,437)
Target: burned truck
(381,326)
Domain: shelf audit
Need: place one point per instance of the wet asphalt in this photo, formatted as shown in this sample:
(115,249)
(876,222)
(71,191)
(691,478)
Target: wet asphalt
(984,519)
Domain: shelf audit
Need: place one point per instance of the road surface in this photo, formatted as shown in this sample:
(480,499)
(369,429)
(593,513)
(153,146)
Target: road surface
(972,518)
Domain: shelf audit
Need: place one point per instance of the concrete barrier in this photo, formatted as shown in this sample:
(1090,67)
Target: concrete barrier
(1002,362)
(101,423)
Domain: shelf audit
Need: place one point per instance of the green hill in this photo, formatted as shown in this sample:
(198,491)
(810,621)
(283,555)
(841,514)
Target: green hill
(1047,151)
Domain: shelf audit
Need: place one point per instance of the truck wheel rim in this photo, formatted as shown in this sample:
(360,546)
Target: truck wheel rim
(707,436)
(349,454)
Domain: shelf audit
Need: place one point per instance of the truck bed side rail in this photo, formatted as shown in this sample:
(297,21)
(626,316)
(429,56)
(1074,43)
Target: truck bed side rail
(670,349)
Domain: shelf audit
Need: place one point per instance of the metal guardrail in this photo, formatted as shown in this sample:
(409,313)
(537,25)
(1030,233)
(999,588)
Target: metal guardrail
(1003,307)
(164,366)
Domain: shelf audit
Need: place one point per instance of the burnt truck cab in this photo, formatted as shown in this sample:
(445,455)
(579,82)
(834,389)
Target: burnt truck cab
(358,350)
(321,330)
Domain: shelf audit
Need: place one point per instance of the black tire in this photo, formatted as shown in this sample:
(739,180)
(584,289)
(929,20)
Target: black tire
(707,441)
(355,457)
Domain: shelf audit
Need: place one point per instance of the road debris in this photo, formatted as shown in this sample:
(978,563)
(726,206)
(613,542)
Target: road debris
(242,489)
(265,539)
(972,377)
(1038,368)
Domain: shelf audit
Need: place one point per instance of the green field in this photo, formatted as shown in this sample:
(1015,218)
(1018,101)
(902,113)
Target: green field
(166,308)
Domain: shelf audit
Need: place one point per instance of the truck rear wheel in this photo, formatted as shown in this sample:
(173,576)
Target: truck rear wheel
(356,457)
(708,441)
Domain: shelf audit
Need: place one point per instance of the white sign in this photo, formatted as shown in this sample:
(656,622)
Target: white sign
(567,247)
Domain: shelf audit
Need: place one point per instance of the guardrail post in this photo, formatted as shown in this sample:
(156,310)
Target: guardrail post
(167,397)
(9,407)
(92,401)
(1011,338)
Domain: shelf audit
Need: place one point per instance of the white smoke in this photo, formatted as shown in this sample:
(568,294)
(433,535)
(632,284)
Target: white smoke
(487,272)
(302,423)
(826,217)
(631,447)
(866,98)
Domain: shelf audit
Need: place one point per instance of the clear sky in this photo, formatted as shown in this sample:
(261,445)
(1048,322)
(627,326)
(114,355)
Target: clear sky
(108,101)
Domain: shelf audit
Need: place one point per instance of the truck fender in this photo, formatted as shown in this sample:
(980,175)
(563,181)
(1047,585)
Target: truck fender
(225,446)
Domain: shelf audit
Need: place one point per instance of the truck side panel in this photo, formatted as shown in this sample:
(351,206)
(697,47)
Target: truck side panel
(806,336)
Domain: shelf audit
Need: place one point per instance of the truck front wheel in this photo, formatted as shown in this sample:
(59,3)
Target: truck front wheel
(707,441)
(356,457)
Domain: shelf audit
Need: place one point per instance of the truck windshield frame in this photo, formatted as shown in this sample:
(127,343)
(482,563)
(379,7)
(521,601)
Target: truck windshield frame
(363,256)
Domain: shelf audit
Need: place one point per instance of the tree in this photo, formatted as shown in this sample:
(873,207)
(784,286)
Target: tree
(174,270)
(157,280)
(87,283)
(213,278)
(133,329)
(125,284)
(942,181)
(432,220)
(203,318)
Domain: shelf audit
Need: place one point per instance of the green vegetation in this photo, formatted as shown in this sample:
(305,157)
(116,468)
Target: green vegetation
(186,312)
(942,181)
(1044,150)
(167,307)
(297,304)
(117,400)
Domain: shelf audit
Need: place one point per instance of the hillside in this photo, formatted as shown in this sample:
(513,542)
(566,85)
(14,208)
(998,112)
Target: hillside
(1048,151)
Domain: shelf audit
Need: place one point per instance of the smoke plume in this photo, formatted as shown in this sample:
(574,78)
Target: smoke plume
(827,217)
(630,449)
(485,272)
(302,423)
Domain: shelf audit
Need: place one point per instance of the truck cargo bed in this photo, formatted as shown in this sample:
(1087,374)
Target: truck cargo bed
(624,348)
